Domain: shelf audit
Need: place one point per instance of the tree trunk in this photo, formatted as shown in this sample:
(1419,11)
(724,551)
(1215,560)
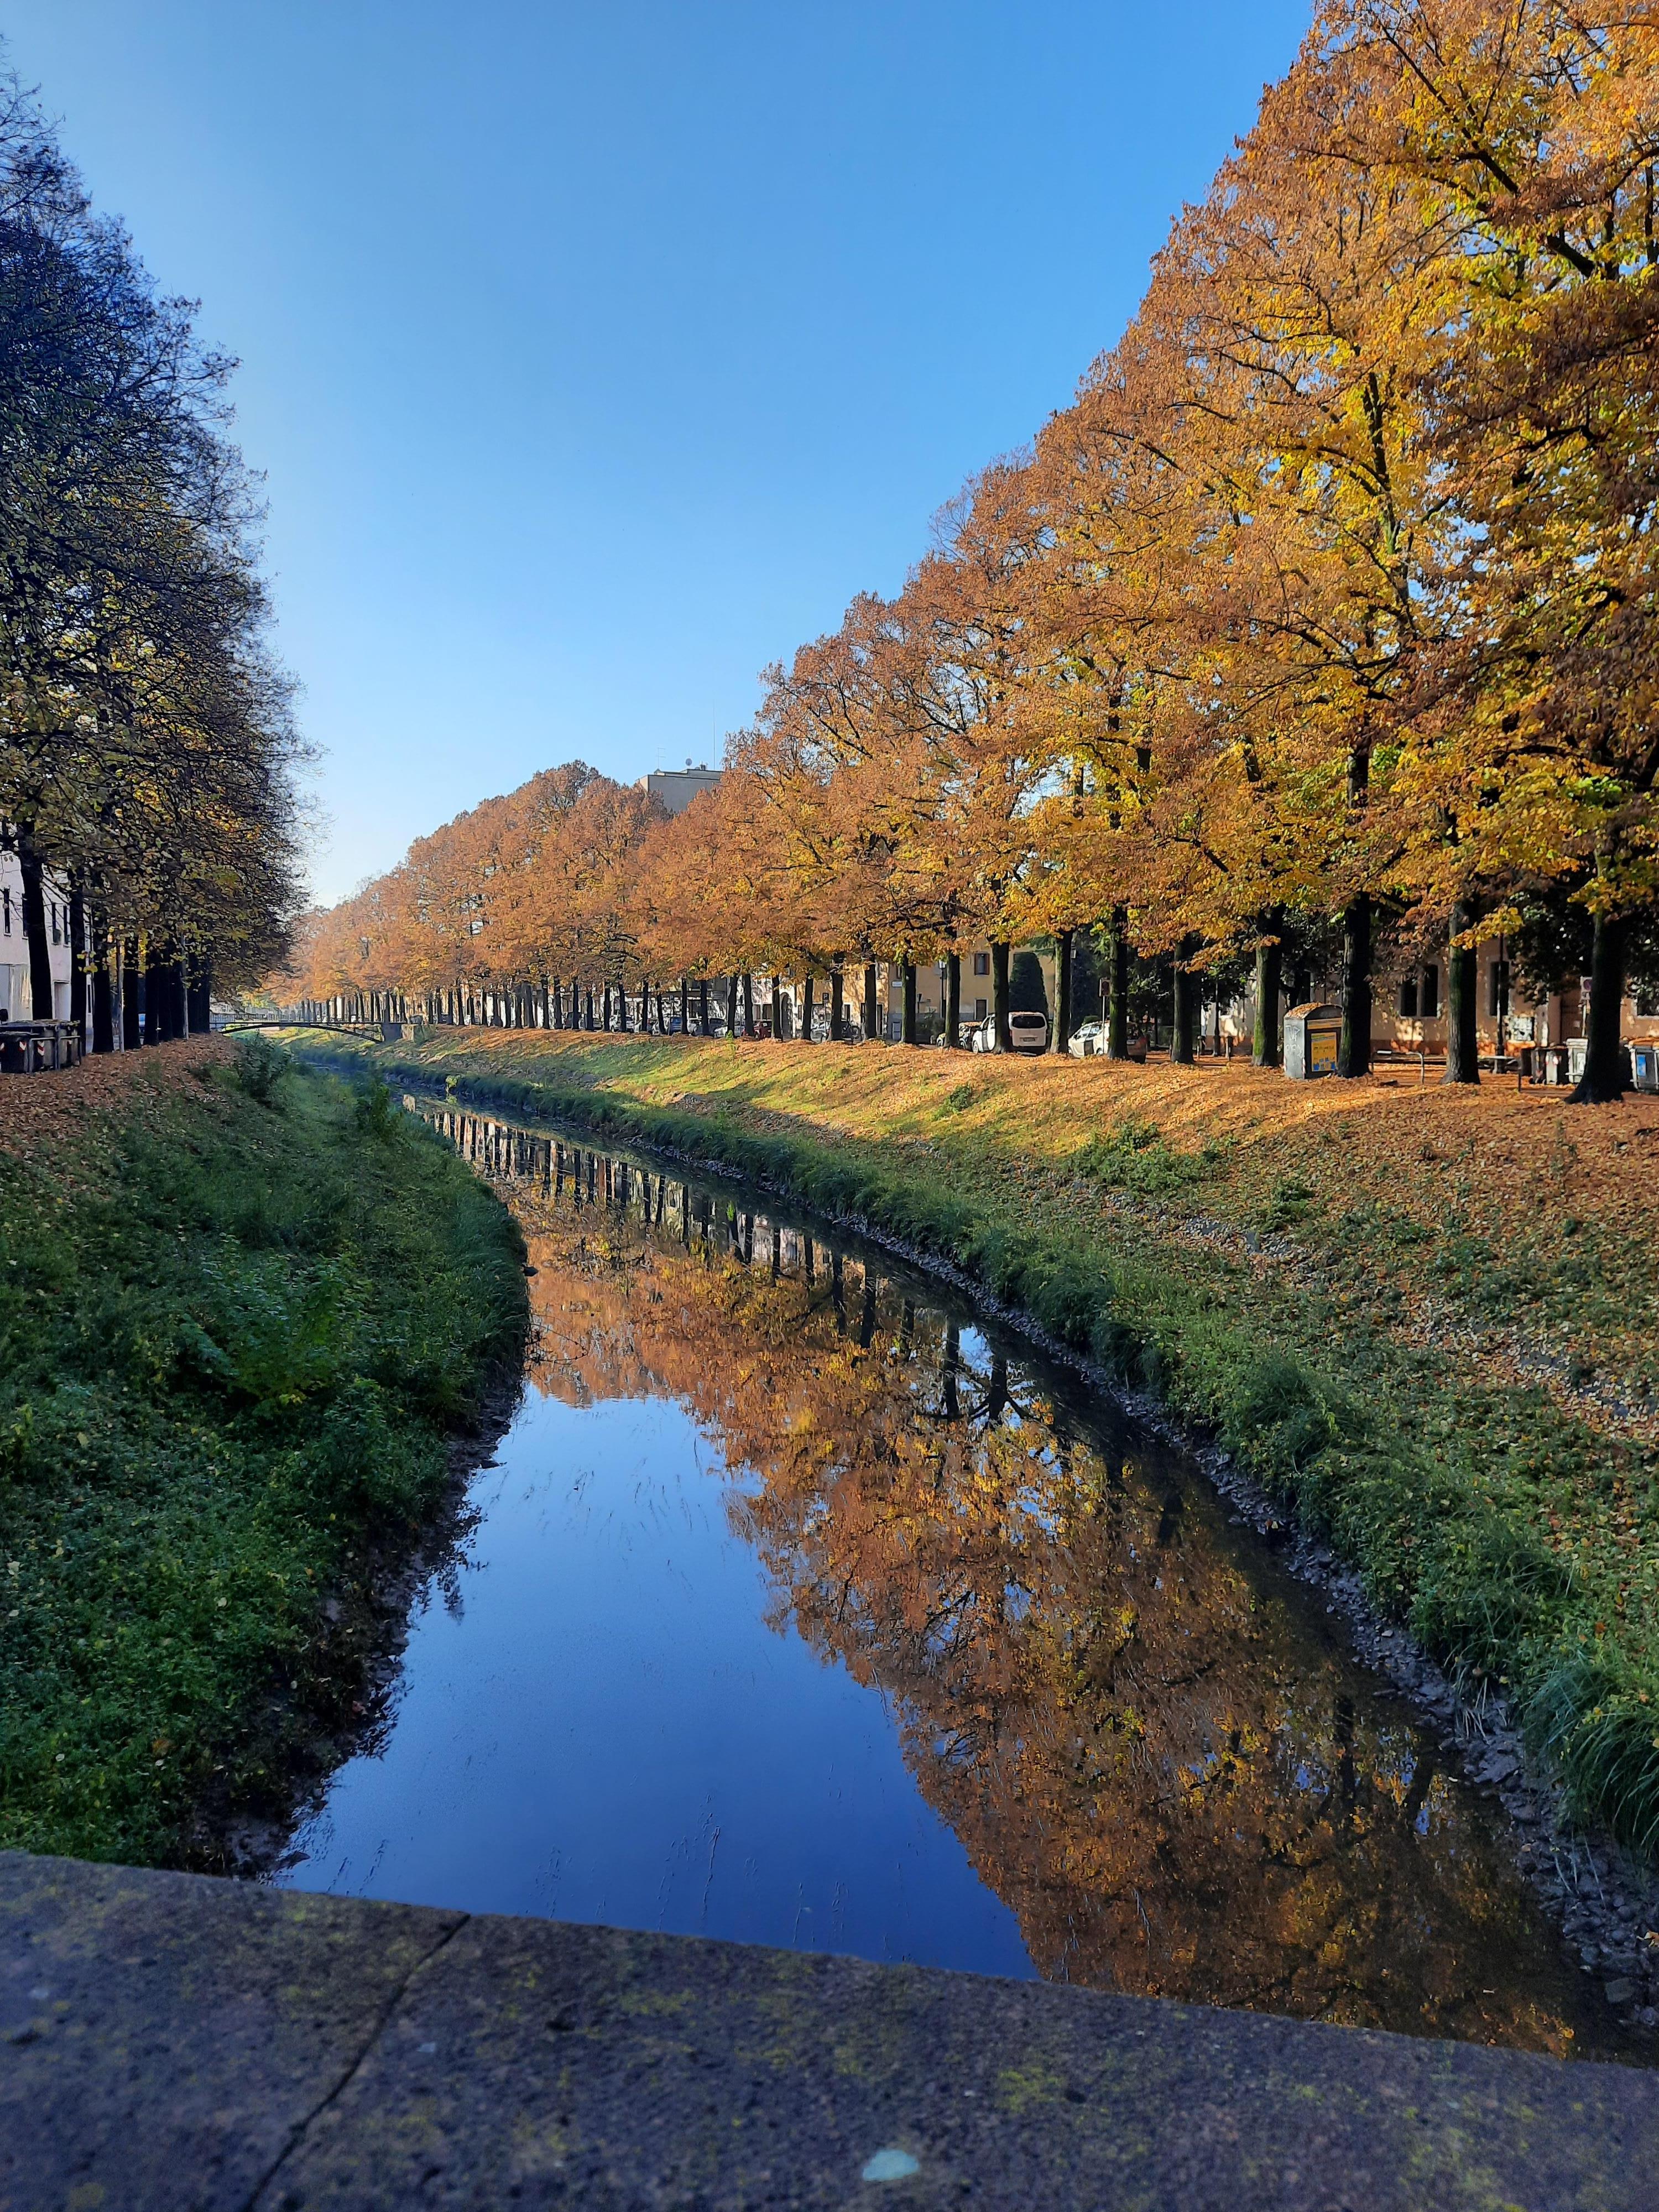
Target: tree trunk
(1117,985)
(953,1001)
(178,1019)
(777,1009)
(908,1001)
(1004,1041)
(77,936)
(870,998)
(996,1396)
(1604,1079)
(1060,1032)
(1269,969)
(749,1005)
(703,1003)
(34,925)
(806,1009)
(131,1035)
(103,997)
(1354,1052)
(153,1014)
(837,986)
(1184,1038)
(199,999)
(1463,1037)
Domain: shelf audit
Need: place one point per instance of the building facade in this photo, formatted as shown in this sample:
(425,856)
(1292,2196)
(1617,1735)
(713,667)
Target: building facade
(677,786)
(16,1002)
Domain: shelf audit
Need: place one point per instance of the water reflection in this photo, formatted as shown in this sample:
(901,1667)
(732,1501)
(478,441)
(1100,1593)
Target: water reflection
(1091,1692)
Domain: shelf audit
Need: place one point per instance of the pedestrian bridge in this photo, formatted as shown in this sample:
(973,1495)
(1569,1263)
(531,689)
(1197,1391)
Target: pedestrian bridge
(177,2041)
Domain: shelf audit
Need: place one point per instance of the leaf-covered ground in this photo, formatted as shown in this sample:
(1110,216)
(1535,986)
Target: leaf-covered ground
(241,1308)
(1425,1318)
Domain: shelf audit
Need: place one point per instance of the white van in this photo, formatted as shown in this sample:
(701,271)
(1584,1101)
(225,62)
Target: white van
(1026,1033)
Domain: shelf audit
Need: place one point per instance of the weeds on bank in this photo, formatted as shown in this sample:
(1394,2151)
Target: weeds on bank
(234,1330)
(1134,1156)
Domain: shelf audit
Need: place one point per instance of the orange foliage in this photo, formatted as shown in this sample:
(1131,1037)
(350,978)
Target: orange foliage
(1330,593)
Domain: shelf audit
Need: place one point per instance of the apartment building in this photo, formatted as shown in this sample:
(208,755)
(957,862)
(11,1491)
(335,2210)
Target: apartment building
(16,1003)
(676,787)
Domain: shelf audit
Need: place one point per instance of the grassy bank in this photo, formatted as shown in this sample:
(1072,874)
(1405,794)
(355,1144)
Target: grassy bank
(1424,1321)
(242,1309)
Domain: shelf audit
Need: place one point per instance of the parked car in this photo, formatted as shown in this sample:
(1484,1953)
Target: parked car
(1026,1033)
(1087,1040)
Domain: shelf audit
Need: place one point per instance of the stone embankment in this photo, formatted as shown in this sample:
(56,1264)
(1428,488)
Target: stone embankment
(175,2041)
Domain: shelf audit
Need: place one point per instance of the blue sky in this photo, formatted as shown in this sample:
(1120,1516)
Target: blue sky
(595,355)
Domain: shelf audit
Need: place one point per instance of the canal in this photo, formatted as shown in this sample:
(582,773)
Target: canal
(800,1605)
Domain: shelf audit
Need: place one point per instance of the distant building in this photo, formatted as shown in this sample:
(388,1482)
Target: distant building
(16,999)
(677,786)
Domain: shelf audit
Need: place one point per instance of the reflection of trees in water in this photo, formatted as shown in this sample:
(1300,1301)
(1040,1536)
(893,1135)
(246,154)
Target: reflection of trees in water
(1144,1751)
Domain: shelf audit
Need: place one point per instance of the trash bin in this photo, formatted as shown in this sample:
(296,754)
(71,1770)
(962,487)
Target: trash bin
(1312,1034)
(30,1047)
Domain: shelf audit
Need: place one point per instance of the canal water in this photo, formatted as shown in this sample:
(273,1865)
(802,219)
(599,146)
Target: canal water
(800,1606)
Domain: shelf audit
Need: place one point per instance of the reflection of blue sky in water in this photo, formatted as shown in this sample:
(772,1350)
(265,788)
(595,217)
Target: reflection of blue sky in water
(606,1730)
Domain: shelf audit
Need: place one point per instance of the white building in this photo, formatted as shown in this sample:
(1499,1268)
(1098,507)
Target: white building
(16,1003)
(677,786)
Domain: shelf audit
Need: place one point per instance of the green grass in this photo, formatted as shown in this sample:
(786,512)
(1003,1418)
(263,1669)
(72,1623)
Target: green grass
(1442,1483)
(239,1322)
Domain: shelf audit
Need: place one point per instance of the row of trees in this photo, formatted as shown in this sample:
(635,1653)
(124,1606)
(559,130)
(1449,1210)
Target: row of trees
(145,738)
(1323,616)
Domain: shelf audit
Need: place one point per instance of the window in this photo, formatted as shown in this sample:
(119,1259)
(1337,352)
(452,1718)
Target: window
(982,964)
(980,1010)
(5,907)
(1408,997)
(1429,1001)
(52,910)
(1647,1000)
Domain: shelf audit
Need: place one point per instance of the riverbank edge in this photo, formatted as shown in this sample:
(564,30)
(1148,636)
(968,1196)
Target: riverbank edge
(175,2039)
(1568,1847)
(305,1683)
